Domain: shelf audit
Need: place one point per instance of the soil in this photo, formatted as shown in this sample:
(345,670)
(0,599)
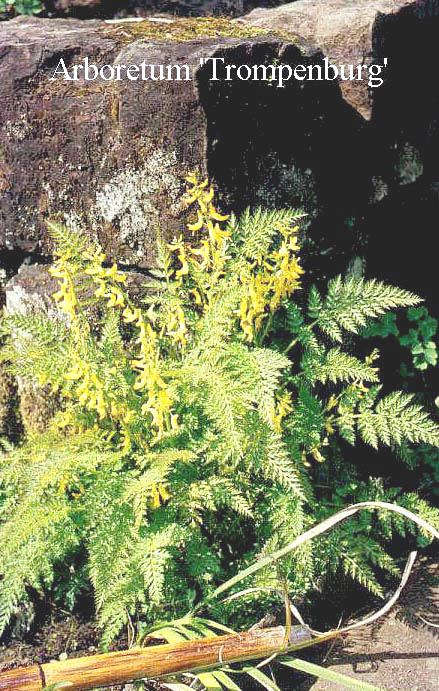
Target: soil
(400,652)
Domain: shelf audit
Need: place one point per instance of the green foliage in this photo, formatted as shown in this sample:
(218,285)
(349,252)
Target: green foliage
(191,433)
(20,6)
(418,339)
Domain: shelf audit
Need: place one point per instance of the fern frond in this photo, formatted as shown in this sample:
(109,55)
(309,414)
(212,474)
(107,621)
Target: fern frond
(279,466)
(255,230)
(351,302)
(67,239)
(358,569)
(396,419)
(336,366)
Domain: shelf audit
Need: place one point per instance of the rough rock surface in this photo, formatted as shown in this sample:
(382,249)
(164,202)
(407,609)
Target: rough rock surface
(107,155)
(347,31)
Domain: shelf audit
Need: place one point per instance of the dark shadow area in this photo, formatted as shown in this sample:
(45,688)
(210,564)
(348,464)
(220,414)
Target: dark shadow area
(180,8)
(297,146)
(403,228)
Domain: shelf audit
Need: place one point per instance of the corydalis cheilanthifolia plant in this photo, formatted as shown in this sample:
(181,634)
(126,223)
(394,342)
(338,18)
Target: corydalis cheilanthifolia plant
(184,445)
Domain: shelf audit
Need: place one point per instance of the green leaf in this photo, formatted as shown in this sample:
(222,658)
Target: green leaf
(225,680)
(209,681)
(261,678)
(328,675)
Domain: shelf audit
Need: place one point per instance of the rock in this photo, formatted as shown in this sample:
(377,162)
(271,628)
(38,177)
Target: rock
(105,155)
(346,31)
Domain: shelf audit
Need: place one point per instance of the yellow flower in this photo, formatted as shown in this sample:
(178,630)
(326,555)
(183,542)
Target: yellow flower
(198,224)
(331,403)
(164,494)
(159,494)
(101,291)
(114,274)
(214,215)
(329,427)
(155,495)
(130,315)
(315,453)
(184,269)
(74,373)
(197,296)
(176,245)
(217,236)
(203,252)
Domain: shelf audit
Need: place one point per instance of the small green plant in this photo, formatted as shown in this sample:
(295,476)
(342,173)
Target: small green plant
(20,7)
(193,426)
(419,338)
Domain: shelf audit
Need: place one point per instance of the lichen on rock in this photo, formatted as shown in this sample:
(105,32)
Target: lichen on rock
(132,200)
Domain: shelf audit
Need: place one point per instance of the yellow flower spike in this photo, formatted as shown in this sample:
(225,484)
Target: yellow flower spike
(164,494)
(331,403)
(174,422)
(329,428)
(198,224)
(215,215)
(155,496)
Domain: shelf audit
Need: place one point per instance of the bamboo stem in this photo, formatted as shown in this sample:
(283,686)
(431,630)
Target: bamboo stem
(155,661)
